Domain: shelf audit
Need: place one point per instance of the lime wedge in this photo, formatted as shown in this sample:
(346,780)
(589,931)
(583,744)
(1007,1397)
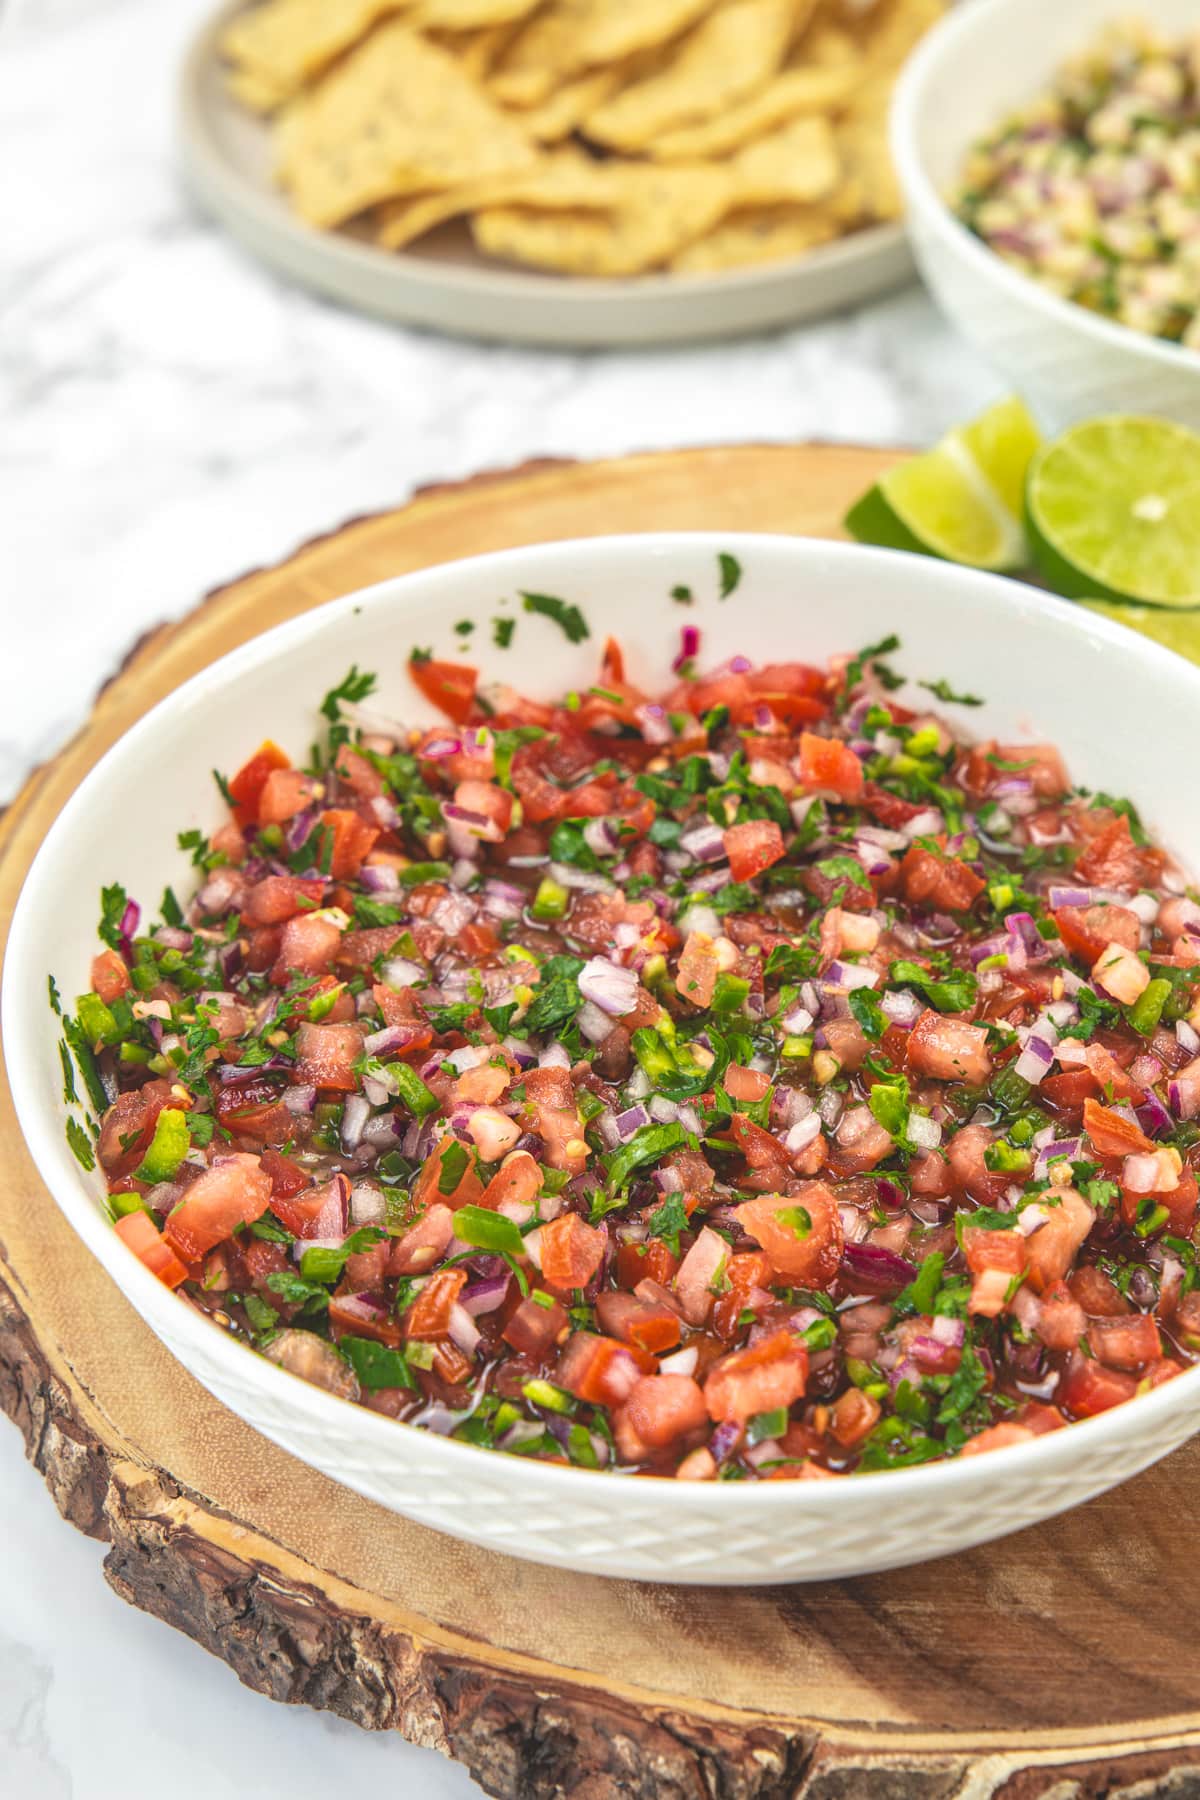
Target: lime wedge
(1177,630)
(960,501)
(1113,509)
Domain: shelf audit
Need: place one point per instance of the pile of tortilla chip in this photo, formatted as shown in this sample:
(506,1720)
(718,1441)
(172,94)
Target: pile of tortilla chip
(589,137)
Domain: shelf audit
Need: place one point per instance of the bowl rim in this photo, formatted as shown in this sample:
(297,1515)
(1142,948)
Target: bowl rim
(288,1393)
(908,99)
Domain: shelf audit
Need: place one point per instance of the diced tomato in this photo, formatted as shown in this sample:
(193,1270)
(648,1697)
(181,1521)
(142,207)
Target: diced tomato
(308,946)
(518,1181)
(348,1320)
(1125,1343)
(448,686)
(1061,1321)
(141,1234)
(1116,1081)
(948,1049)
(252,1109)
(760,1149)
(770,1374)
(535,1328)
(1111,1134)
(236,1190)
(437,1179)
(698,969)
(128,1126)
(1087,930)
(997,1437)
(287,1177)
(359,775)
(699,1273)
(326,1055)
(353,839)
(1112,859)
(664,1408)
(1097,1293)
(753,847)
(424,1243)
(938,880)
(645,1262)
(280,897)
(745,1084)
(1088,1388)
(600,1370)
(489,803)
(1070,1089)
(1051,1249)
(571,1252)
(854,1417)
(285,793)
(110,977)
(993,1250)
(827,765)
(556,1118)
(889,810)
(428,1318)
(250,780)
(648,1325)
(801,1234)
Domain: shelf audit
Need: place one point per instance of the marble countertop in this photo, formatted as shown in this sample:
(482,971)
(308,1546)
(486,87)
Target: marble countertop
(173,416)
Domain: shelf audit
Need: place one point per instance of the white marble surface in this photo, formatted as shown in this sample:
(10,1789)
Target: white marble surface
(172,416)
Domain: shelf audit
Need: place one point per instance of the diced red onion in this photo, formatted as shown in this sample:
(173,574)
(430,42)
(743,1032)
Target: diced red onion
(174,937)
(681,1362)
(1034,1060)
(689,647)
(1153,1116)
(300,1099)
(923,824)
(697,917)
(381,1131)
(401,972)
(800,1135)
(653,722)
(851,975)
(613,989)
(902,1008)
(568,876)
(797,1021)
(463,1329)
(829,1106)
(1056,1148)
(662,1110)
(380,878)
(485,1296)
(883,1270)
(1140,1174)
(631,1120)
(948,1331)
(439,747)
(1187,1037)
(925,1133)
(554,1056)
(368,1204)
(873,859)
(704,844)
(689,1118)
(355,1114)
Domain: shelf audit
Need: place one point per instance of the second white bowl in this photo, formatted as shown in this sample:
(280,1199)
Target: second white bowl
(984,60)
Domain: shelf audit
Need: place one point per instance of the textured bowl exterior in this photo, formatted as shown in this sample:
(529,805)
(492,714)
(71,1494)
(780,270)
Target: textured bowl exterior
(979,63)
(1045,668)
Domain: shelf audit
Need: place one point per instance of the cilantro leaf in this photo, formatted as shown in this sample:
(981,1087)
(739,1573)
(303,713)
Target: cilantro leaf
(945,692)
(667,1221)
(953,992)
(731,573)
(565,615)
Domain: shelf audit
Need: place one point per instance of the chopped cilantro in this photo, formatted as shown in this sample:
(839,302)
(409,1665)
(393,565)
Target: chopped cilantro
(731,573)
(565,615)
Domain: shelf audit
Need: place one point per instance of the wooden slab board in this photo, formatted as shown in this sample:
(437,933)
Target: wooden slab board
(1057,1663)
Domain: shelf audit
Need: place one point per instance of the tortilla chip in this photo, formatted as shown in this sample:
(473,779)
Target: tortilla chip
(468,15)
(794,94)
(569,36)
(797,163)
(871,181)
(557,117)
(397,116)
(255,91)
(565,180)
(728,56)
(757,234)
(656,212)
(282,44)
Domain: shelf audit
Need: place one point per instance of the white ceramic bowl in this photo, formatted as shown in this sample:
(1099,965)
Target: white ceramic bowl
(1044,667)
(983,60)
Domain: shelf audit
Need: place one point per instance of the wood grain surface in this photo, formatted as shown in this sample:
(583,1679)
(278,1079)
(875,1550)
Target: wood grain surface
(1057,1663)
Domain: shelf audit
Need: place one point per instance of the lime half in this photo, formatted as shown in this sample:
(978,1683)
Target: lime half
(960,501)
(1113,509)
(1177,630)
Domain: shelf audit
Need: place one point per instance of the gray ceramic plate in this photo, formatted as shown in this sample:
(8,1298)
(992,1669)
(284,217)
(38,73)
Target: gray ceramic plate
(444,283)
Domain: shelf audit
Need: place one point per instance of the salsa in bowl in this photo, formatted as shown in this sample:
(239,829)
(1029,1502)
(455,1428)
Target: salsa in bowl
(751,1072)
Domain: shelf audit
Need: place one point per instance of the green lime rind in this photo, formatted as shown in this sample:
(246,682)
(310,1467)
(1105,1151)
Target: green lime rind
(1173,627)
(1112,508)
(961,501)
